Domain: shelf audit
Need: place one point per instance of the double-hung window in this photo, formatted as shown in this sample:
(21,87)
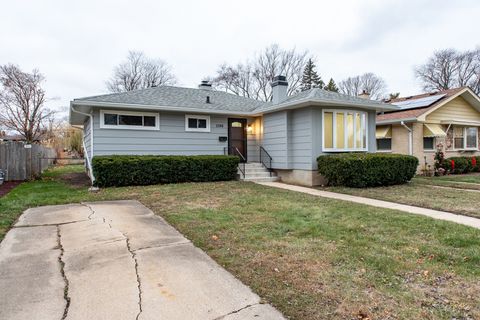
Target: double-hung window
(198,123)
(110,119)
(465,138)
(344,130)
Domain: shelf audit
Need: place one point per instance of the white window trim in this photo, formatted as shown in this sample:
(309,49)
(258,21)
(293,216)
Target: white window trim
(345,121)
(129,113)
(464,128)
(195,116)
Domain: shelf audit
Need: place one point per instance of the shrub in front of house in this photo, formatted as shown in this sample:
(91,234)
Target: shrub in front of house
(119,170)
(360,170)
(461,165)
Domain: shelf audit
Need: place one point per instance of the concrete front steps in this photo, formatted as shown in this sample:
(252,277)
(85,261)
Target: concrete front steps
(255,171)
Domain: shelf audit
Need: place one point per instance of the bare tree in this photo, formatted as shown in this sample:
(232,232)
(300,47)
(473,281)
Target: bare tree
(450,68)
(22,102)
(253,78)
(140,72)
(368,82)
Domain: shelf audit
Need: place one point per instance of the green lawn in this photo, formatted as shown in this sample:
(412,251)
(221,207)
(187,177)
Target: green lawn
(422,193)
(461,181)
(311,257)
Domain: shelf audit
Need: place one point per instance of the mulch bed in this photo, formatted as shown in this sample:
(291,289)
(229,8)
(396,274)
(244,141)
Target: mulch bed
(6,187)
(76,180)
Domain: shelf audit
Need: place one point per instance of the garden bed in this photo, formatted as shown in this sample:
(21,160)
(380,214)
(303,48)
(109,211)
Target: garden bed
(8,186)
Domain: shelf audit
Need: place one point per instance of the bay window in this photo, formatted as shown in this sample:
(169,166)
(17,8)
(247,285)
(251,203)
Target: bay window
(344,130)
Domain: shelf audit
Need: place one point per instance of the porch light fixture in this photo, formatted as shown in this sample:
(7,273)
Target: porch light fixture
(250,128)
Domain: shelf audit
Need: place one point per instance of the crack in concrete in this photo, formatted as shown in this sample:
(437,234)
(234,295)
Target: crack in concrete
(164,245)
(47,224)
(236,311)
(64,276)
(92,212)
(132,253)
(134,257)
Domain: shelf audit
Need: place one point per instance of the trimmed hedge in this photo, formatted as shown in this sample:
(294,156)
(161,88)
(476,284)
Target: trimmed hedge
(120,170)
(462,164)
(360,170)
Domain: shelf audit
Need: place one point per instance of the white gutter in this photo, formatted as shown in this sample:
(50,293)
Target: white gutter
(410,138)
(89,163)
(396,121)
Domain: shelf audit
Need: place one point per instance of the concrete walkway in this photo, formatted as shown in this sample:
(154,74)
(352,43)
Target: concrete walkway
(114,260)
(436,214)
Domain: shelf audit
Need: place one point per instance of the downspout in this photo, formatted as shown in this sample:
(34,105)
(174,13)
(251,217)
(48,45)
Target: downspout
(89,163)
(410,138)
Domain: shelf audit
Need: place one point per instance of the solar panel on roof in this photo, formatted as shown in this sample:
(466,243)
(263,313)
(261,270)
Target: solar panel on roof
(418,103)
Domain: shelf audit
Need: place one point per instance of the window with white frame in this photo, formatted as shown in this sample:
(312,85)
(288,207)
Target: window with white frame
(198,123)
(111,119)
(465,138)
(344,130)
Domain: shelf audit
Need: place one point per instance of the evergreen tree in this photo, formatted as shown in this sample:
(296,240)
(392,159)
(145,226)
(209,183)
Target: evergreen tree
(310,77)
(394,95)
(331,86)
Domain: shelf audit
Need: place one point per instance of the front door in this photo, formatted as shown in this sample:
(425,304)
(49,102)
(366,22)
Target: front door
(237,136)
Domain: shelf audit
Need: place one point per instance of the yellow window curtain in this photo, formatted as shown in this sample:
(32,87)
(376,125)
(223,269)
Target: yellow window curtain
(340,131)
(358,131)
(383,132)
(328,129)
(350,134)
(431,130)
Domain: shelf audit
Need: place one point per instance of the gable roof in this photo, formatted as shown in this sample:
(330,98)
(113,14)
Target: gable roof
(171,98)
(420,113)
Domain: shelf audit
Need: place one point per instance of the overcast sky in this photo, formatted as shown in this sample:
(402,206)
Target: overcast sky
(76,44)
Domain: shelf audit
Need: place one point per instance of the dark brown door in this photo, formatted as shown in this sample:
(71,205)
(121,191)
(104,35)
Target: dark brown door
(237,136)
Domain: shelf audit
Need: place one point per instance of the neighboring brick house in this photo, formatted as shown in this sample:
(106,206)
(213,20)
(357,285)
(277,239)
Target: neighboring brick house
(448,119)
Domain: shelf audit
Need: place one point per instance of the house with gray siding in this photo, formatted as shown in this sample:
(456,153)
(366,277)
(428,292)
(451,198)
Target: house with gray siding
(282,137)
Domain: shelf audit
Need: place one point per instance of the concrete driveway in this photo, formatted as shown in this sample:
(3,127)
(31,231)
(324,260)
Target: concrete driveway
(114,260)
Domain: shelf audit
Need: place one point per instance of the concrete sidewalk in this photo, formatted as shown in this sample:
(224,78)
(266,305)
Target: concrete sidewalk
(441,215)
(114,260)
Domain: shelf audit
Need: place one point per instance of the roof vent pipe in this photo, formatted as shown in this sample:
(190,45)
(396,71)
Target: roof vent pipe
(208,99)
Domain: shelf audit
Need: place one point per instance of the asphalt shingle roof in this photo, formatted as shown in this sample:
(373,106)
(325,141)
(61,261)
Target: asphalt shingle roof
(317,94)
(180,97)
(222,101)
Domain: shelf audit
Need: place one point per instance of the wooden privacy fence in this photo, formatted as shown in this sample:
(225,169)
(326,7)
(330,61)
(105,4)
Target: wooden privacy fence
(24,162)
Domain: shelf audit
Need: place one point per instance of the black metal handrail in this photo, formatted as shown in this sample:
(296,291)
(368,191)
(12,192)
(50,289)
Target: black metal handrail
(266,159)
(241,163)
